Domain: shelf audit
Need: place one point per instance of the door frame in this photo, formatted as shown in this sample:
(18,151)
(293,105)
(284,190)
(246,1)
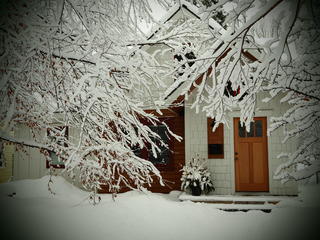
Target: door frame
(233,156)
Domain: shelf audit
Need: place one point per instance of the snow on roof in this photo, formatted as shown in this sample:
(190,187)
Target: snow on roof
(189,7)
(197,11)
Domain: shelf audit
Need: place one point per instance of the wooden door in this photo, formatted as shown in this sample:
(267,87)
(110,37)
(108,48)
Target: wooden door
(251,156)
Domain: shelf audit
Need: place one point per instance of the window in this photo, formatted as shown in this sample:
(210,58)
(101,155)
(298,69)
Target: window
(229,92)
(255,129)
(2,160)
(58,135)
(163,157)
(136,150)
(164,160)
(215,140)
(187,56)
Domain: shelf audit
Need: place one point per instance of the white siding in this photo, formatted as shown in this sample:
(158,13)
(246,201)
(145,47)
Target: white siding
(30,163)
(6,170)
(222,170)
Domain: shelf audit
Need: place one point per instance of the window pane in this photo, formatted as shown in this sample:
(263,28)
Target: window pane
(187,56)
(163,156)
(58,134)
(215,140)
(242,130)
(55,160)
(258,125)
(251,133)
(215,148)
(136,150)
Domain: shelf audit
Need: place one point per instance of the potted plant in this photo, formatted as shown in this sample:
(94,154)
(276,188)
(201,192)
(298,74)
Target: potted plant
(196,177)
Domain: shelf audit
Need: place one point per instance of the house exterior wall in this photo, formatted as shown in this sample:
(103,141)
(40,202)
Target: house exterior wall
(29,163)
(223,170)
(196,145)
(6,171)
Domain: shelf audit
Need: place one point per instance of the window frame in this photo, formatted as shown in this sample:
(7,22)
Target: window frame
(216,137)
(167,150)
(189,55)
(144,153)
(253,133)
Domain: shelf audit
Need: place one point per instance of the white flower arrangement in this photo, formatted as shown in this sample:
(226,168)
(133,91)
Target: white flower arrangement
(196,177)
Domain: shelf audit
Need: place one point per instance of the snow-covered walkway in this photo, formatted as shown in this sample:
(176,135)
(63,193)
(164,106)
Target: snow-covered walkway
(33,213)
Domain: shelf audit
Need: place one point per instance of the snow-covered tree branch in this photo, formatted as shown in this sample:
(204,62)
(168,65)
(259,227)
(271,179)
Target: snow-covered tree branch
(70,65)
(81,66)
(267,46)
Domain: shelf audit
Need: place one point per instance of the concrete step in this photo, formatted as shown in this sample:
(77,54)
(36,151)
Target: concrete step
(237,203)
(234,199)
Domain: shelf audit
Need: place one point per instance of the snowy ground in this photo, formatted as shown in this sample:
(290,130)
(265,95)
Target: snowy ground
(36,214)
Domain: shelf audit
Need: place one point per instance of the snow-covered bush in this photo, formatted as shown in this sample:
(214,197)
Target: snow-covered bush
(196,177)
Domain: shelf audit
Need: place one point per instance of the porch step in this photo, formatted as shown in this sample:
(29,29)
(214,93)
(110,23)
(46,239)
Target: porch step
(244,207)
(236,203)
(233,202)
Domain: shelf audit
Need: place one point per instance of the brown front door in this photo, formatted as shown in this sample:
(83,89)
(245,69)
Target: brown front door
(251,156)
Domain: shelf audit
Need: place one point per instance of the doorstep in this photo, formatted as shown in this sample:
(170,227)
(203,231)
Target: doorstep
(237,203)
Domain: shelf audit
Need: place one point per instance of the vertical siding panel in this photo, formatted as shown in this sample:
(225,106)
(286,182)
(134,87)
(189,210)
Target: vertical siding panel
(21,157)
(6,170)
(34,163)
(41,165)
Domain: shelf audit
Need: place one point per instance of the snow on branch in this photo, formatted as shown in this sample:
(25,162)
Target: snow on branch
(71,64)
(268,47)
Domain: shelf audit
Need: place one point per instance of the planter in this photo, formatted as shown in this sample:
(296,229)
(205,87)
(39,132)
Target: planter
(195,190)
(196,177)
